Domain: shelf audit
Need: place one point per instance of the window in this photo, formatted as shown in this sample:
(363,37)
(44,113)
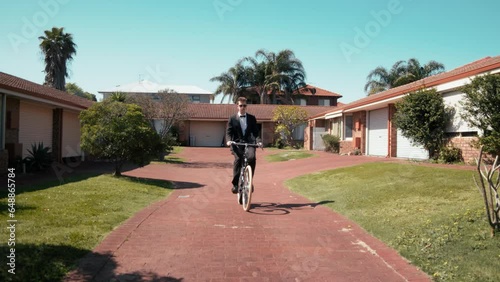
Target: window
(348,127)
(195,99)
(300,102)
(324,102)
(335,126)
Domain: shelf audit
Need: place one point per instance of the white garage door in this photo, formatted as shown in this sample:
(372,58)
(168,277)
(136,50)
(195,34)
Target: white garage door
(207,133)
(406,150)
(377,133)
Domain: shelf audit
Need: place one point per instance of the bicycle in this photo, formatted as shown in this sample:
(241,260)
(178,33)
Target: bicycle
(245,183)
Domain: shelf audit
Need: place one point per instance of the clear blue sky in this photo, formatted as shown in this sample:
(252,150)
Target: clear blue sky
(189,41)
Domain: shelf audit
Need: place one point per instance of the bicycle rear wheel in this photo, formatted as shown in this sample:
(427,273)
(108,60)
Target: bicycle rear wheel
(247,188)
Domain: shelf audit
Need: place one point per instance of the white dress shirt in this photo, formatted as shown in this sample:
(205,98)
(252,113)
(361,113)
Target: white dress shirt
(243,122)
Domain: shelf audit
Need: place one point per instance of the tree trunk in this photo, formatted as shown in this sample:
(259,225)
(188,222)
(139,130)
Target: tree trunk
(489,190)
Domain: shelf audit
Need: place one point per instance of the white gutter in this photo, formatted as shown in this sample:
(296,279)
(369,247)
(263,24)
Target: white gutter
(375,105)
(334,114)
(453,85)
(28,97)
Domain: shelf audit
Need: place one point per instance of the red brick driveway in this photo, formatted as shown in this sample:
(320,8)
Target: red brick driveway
(200,233)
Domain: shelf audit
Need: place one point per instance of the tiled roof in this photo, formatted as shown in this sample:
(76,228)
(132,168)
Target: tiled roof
(319,91)
(306,91)
(224,111)
(23,86)
(145,86)
(474,68)
(480,66)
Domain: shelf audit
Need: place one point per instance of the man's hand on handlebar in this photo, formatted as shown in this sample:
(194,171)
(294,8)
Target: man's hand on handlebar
(229,143)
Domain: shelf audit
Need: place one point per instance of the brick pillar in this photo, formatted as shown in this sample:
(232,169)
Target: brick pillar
(393,133)
(57,120)
(364,122)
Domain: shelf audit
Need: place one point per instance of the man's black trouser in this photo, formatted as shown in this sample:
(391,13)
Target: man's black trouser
(238,161)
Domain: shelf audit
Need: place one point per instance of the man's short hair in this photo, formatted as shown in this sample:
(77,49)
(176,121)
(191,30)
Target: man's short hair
(242,100)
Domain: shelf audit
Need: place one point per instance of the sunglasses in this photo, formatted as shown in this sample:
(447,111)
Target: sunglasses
(244,106)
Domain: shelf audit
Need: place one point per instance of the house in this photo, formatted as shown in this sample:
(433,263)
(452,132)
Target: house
(206,124)
(366,124)
(311,95)
(193,93)
(32,113)
(308,95)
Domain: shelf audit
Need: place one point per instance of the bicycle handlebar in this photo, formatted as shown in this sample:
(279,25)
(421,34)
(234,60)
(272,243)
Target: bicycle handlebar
(245,144)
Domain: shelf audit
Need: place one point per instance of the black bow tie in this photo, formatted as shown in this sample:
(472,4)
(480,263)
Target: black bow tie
(243,116)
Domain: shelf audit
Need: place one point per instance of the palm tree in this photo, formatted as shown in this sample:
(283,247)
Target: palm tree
(283,72)
(381,79)
(58,49)
(231,82)
(118,97)
(417,71)
(401,73)
(258,75)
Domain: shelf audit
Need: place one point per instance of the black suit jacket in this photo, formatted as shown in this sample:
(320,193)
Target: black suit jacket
(234,132)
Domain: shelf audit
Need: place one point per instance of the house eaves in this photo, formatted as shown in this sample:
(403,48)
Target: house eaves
(482,66)
(25,89)
(443,82)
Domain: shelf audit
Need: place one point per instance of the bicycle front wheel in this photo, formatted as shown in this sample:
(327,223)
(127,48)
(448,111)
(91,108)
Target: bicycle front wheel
(247,188)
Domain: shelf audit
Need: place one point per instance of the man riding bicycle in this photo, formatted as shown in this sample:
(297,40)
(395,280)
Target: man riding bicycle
(242,127)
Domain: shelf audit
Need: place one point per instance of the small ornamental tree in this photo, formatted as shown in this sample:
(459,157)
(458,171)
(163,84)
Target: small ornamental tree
(422,117)
(481,106)
(287,118)
(119,132)
(169,109)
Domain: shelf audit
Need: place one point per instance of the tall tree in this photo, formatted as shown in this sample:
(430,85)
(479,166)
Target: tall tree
(401,73)
(58,49)
(285,70)
(231,83)
(257,76)
(74,89)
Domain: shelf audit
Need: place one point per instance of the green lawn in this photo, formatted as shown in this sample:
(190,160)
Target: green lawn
(288,155)
(433,216)
(57,224)
(172,158)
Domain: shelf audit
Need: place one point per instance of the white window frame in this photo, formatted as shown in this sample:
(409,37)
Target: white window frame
(195,99)
(345,127)
(321,102)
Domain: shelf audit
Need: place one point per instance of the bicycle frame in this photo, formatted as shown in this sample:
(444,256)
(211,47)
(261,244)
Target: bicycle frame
(244,188)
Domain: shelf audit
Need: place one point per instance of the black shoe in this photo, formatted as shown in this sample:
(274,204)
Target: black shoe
(234,190)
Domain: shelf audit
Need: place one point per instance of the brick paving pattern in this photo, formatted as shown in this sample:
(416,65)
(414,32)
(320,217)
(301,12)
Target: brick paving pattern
(200,233)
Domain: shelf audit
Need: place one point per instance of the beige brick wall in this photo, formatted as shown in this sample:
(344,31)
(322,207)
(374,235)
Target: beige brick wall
(346,147)
(469,153)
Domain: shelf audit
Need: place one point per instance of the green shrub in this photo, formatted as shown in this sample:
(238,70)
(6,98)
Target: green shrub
(279,143)
(450,155)
(40,157)
(332,143)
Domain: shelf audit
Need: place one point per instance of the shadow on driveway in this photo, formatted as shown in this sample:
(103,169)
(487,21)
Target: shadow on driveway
(282,209)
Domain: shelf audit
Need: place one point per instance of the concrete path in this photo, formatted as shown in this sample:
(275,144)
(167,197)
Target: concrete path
(200,233)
